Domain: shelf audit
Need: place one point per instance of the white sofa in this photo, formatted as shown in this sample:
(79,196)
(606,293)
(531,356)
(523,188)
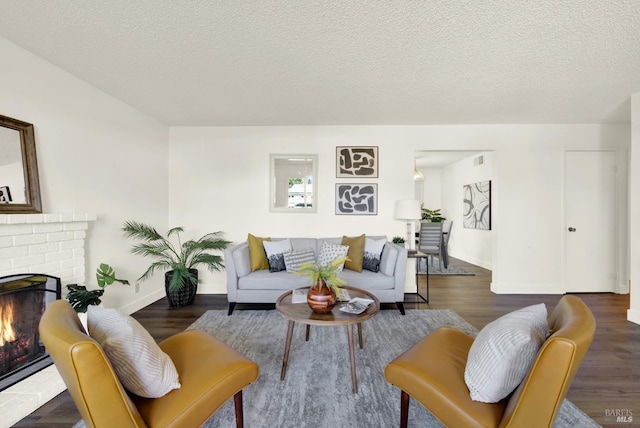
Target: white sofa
(263,286)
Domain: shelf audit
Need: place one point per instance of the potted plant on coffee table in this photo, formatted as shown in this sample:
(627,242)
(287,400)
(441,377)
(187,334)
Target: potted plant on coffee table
(324,282)
(180,259)
(80,298)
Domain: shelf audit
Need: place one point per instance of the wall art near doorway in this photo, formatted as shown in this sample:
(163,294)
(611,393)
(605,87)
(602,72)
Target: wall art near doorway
(356,199)
(357,162)
(477,205)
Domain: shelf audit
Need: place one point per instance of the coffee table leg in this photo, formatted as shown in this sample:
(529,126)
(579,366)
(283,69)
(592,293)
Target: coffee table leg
(287,346)
(352,356)
(360,335)
(308,333)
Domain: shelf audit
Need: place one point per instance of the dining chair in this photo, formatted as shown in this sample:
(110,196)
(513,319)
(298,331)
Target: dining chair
(447,228)
(431,240)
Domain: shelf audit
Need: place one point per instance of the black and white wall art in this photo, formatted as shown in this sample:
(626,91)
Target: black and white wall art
(357,162)
(356,199)
(477,205)
(5,195)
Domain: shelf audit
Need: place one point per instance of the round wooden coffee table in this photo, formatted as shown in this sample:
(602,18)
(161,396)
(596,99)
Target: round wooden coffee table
(301,313)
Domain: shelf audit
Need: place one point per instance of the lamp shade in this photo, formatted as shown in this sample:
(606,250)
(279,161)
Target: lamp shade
(408,209)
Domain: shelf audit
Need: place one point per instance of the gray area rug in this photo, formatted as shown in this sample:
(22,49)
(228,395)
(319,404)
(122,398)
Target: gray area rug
(439,269)
(317,389)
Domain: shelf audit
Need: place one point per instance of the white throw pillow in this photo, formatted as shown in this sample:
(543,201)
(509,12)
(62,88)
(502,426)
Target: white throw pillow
(503,352)
(330,251)
(372,254)
(294,258)
(142,367)
(388,260)
(275,250)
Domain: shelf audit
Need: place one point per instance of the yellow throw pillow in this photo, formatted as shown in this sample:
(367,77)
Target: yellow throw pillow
(256,253)
(355,253)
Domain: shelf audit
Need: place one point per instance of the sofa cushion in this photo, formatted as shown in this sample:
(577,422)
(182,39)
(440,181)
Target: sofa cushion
(142,367)
(503,352)
(355,252)
(241,260)
(256,253)
(372,254)
(329,252)
(388,260)
(294,258)
(275,257)
(265,280)
(367,280)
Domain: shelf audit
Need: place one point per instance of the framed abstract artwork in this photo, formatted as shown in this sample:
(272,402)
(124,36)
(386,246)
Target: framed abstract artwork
(357,162)
(477,205)
(356,199)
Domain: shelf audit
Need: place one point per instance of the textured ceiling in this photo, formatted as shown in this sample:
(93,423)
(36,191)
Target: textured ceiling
(332,62)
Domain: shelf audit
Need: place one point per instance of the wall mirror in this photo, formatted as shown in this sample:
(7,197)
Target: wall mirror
(19,185)
(293,183)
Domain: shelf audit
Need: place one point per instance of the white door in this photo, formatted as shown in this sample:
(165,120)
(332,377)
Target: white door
(590,221)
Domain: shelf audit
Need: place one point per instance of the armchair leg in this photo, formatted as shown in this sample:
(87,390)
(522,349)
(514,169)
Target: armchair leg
(400,306)
(232,305)
(404,409)
(237,400)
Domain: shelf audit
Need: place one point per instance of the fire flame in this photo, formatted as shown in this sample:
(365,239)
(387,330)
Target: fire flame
(7,334)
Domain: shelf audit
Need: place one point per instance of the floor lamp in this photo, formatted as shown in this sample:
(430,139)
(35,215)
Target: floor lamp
(409,210)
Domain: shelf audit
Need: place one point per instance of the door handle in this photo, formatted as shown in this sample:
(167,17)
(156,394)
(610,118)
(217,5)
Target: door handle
(572,229)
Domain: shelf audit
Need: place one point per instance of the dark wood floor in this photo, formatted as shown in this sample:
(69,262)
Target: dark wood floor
(608,380)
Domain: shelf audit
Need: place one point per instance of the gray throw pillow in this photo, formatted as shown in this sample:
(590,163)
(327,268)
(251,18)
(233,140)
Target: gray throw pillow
(294,258)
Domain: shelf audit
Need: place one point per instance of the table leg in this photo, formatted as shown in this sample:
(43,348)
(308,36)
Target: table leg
(360,335)
(287,347)
(352,357)
(308,333)
(417,278)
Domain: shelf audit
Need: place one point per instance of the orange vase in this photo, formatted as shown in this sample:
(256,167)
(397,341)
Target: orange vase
(321,298)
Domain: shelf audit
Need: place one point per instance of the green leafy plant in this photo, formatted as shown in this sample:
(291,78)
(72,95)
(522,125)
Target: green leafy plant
(398,240)
(177,257)
(321,275)
(432,215)
(80,298)
(107,276)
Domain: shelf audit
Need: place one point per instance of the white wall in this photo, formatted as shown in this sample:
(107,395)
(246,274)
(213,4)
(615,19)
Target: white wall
(219,181)
(432,188)
(634,211)
(95,155)
(471,245)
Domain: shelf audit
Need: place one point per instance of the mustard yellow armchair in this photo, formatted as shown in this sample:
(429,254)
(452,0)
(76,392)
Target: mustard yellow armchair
(210,373)
(432,372)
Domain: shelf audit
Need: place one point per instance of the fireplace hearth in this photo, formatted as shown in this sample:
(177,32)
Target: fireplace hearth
(23,300)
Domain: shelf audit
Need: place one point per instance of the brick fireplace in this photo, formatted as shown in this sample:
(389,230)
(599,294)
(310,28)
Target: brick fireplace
(51,244)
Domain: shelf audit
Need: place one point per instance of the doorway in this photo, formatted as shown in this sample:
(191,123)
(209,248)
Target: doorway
(590,221)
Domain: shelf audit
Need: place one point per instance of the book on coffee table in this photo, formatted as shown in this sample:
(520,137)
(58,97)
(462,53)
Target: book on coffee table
(357,305)
(299,295)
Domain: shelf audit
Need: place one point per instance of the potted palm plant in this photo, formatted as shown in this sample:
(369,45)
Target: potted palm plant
(179,258)
(433,216)
(325,283)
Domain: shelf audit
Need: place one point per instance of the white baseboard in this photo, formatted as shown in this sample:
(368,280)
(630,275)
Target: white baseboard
(623,288)
(633,316)
(526,288)
(144,301)
(482,263)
